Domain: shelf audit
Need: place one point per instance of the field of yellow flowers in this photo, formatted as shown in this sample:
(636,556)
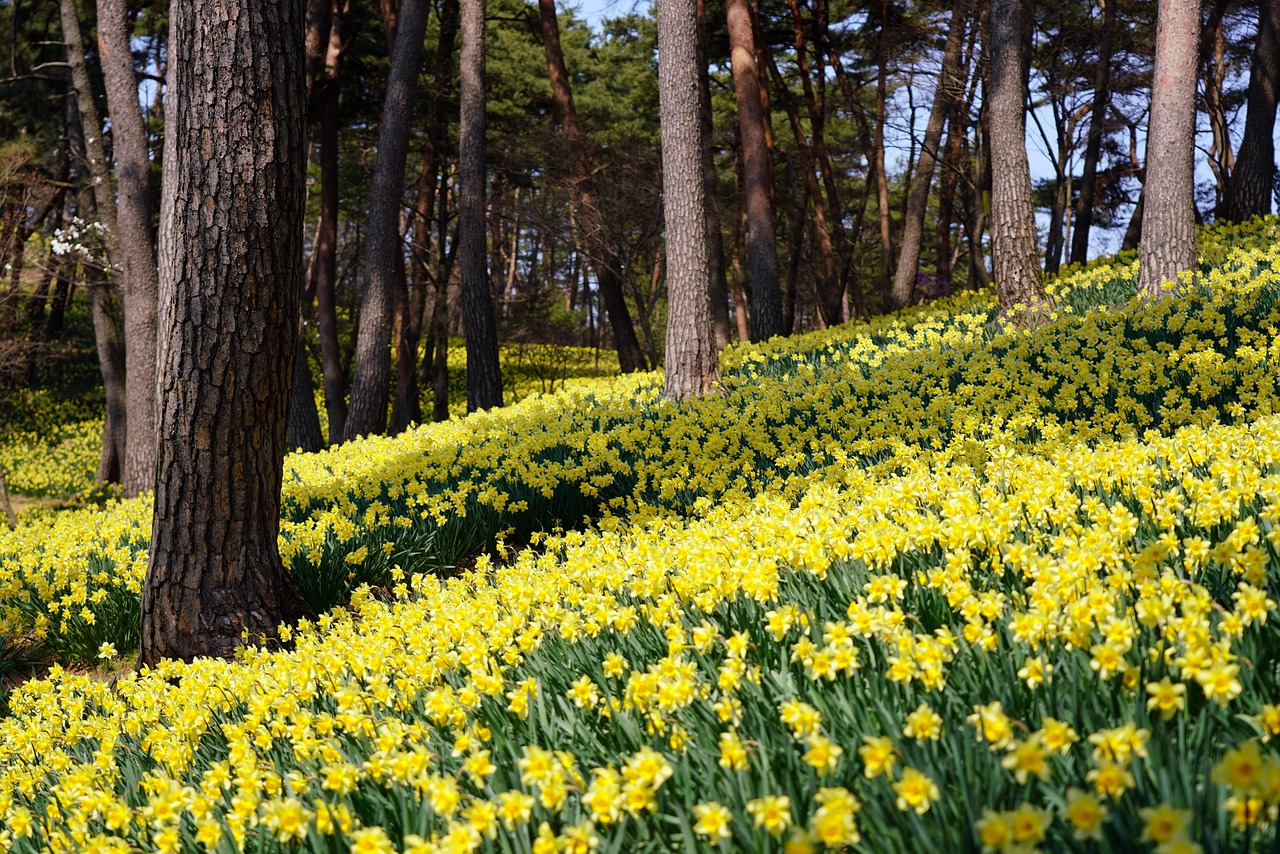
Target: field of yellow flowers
(923,584)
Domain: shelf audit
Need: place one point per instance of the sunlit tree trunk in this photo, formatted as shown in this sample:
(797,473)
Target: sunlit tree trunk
(691,353)
(1015,258)
(1168,244)
(230,268)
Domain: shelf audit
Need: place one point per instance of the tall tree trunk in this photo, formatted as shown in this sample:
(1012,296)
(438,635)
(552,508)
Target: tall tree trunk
(1019,284)
(97,204)
(1097,131)
(904,278)
(230,267)
(433,175)
(604,259)
(757,174)
(1251,186)
(715,230)
(1168,226)
(484,375)
(692,368)
(102,312)
(326,249)
(304,419)
(384,246)
(137,241)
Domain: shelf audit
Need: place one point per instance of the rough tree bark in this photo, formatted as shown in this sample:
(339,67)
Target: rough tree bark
(904,277)
(137,242)
(484,375)
(604,259)
(757,177)
(1251,186)
(383,246)
(1168,244)
(1015,259)
(691,362)
(230,267)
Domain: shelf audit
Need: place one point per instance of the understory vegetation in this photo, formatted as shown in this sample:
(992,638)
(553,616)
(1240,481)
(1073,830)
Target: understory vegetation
(925,583)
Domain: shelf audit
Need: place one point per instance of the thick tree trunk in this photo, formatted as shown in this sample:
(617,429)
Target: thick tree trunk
(326,248)
(715,230)
(904,278)
(1097,131)
(230,267)
(1019,284)
(384,246)
(691,363)
(137,241)
(757,177)
(1252,184)
(604,259)
(1168,244)
(484,374)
